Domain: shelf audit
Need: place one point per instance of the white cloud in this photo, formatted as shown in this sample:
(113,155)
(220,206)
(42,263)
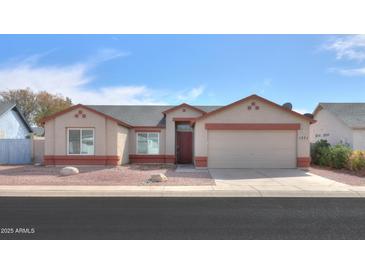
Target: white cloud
(119,95)
(107,54)
(349,72)
(73,81)
(350,47)
(192,94)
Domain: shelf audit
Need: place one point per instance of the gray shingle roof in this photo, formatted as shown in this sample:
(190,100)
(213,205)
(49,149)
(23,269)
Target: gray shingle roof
(352,114)
(139,115)
(4,107)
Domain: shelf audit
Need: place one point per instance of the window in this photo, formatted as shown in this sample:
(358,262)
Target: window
(148,143)
(184,127)
(80,141)
(326,135)
(318,135)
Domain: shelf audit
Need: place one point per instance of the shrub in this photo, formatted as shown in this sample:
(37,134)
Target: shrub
(339,156)
(319,152)
(324,154)
(357,160)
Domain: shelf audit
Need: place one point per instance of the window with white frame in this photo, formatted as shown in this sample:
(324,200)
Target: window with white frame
(148,143)
(80,141)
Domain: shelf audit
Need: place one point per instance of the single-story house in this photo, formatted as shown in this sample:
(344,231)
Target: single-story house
(250,133)
(340,123)
(13,125)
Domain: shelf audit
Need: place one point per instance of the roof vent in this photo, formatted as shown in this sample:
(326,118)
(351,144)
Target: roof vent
(288,106)
(309,115)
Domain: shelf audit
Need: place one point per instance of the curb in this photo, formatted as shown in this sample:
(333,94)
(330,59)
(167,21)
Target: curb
(43,191)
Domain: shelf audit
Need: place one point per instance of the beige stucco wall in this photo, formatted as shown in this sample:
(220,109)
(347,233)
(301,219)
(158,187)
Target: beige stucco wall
(170,126)
(133,141)
(359,139)
(105,130)
(123,144)
(49,135)
(327,123)
(240,114)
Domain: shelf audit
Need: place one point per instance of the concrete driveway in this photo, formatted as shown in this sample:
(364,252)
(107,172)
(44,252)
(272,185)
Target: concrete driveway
(277,182)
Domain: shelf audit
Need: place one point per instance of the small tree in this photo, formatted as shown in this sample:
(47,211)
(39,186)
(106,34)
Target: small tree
(48,104)
(25,99)
(35,106)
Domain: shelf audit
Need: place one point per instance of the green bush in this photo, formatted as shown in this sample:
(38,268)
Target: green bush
(319,152)
(323,154)
(357,160)
(339,155)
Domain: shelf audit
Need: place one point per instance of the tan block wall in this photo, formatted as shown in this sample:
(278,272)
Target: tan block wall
(170,126)
(38,149)
(241,114)
(327,123)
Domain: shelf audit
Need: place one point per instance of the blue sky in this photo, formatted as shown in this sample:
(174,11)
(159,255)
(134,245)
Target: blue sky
(197,69)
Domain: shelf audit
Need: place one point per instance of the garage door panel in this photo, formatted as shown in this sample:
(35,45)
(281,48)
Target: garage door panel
(251,149)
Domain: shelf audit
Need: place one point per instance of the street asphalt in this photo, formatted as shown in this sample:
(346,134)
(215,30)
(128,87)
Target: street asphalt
(182,218)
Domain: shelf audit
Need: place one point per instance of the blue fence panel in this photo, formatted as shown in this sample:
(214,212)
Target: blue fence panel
(15,151)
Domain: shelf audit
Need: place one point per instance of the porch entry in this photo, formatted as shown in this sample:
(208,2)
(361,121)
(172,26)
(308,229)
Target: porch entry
(184,143)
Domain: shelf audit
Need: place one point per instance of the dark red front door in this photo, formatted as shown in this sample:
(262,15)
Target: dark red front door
(184,147)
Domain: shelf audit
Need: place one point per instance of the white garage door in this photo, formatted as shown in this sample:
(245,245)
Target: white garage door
(251,149)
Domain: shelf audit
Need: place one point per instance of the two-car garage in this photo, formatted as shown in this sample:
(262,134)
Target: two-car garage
(252,148)
(252,133)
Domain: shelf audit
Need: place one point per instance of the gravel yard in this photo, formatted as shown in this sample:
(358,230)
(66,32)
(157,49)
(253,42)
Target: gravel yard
(100,175)
(342,176)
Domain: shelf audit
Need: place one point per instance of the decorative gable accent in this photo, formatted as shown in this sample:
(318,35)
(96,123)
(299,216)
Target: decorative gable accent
(184,106)
(83,115)
(254,105)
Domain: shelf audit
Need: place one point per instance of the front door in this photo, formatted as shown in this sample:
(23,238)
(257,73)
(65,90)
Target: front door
(184,147)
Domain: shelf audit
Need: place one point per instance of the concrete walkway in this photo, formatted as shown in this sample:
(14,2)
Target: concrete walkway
(229,183)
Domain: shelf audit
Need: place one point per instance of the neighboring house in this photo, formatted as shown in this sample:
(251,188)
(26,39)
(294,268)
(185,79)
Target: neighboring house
(12,123)
(340,123)
(38,131)
(250,133)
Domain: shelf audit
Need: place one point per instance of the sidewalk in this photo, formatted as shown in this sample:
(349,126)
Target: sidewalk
(178,191)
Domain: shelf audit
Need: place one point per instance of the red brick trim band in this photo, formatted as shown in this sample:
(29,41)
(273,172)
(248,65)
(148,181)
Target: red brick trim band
(81,160)
(234,126)
(303,161)
(151,159)
(201,161)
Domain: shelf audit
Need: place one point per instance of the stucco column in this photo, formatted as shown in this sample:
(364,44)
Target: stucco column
(170,136)
(303,146)
(200,145)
